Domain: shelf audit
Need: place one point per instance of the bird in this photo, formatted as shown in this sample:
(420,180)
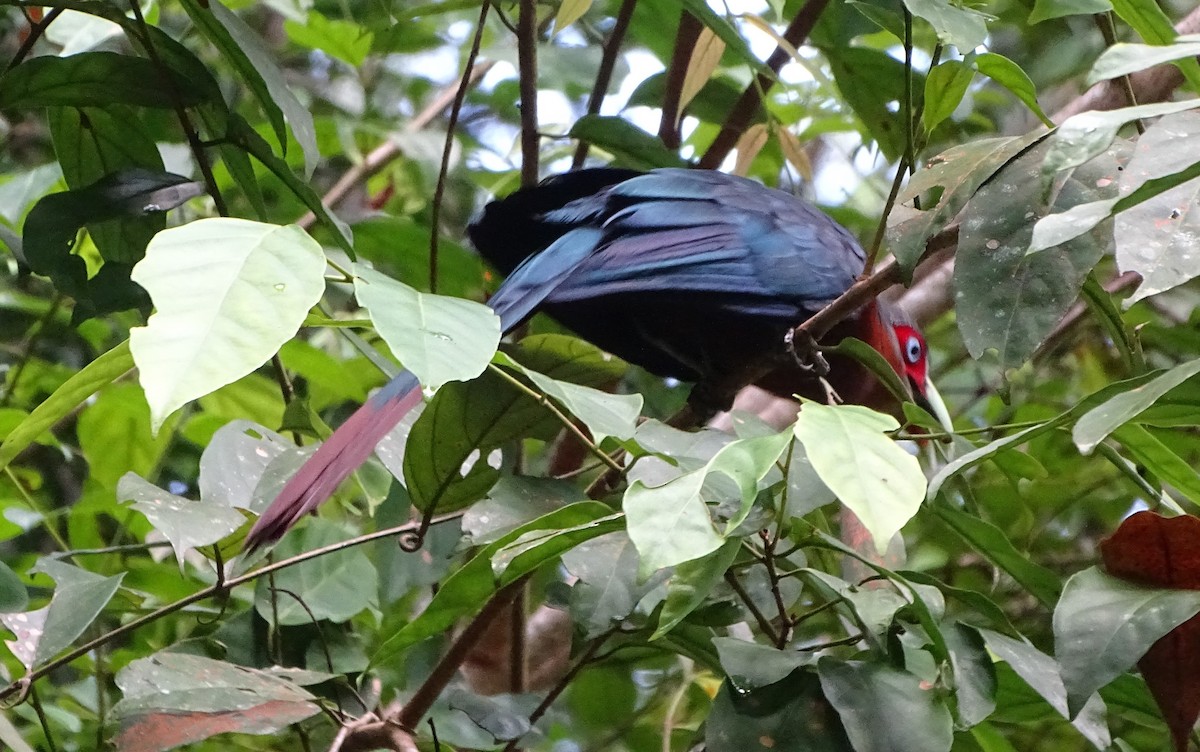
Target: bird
(692,274)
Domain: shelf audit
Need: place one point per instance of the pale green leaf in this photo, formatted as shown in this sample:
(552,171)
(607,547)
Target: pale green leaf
(438,338)
(872,475)
(229,293)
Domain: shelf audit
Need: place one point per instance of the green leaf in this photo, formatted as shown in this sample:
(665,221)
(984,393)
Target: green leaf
(962,27)
(1123,59)
(1095,425)
(604,414)
(74,392)
(469,588)
(1045,10)
(1155,27)
(185,523)
(78,598)
(1055,229)
(243,136)
(871,80)
(514,501)
(1152,454)
(1006,299)
(13,596)
(336,586)
(885,709)
(1104,625)
(570,11)
(344,40)
(1041,673)
(93,79)
(879,481)
(482,415)
(54,222)
(671,524)
(956,174)
(608,589)
(1087,135)
(92,142)
(1012,77)
(751,666)
(944,90)
(114,434)
(439,339)
(630,144)
(791,715)
(974,674)
(248,55)
(1156,229)
(690,584)
(245,291)
(534,548)
(992,543)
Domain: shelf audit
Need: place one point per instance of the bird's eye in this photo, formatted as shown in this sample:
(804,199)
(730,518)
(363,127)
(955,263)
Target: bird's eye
(913,350)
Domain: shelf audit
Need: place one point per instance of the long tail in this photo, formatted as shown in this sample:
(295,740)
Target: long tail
(349,446)
(352,443)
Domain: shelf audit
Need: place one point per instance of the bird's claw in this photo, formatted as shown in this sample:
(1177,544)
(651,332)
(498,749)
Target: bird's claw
(805,353)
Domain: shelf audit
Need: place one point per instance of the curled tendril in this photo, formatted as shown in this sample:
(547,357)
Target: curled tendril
(411,541)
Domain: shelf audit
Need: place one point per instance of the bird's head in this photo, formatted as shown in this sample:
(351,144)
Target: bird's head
(903,345)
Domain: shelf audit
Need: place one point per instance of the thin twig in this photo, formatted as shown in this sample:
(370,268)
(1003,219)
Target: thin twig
(185,121)
(562,684)
(440,191)
(384,154)
(763,623)
(35,33)
(681,58)
(209,592)
(739,117)
(785,621)
(608,62)
(527,75)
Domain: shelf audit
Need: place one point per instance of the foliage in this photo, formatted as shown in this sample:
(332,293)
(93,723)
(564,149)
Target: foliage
(261,207)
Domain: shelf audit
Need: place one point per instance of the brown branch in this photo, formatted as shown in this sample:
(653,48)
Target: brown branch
(382,155)
(208,592)
(440,191)
(418,705)
(35,33)
(561,685)
(685,44)
(527,78)
(739,118)
(608,62)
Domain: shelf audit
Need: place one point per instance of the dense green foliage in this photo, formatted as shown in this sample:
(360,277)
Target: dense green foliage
(675,590)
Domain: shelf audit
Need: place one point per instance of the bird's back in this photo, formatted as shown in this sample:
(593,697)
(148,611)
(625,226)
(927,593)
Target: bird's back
(692,274)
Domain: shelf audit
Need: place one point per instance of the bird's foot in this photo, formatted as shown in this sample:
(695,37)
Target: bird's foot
(805,353)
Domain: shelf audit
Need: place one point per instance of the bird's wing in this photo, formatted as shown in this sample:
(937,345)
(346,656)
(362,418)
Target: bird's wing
(682,231)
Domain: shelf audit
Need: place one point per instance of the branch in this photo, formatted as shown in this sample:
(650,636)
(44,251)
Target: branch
(208,592)
(382,155)
(527,78)
(448,147)
(685,43)
(739,118)
(608,62)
